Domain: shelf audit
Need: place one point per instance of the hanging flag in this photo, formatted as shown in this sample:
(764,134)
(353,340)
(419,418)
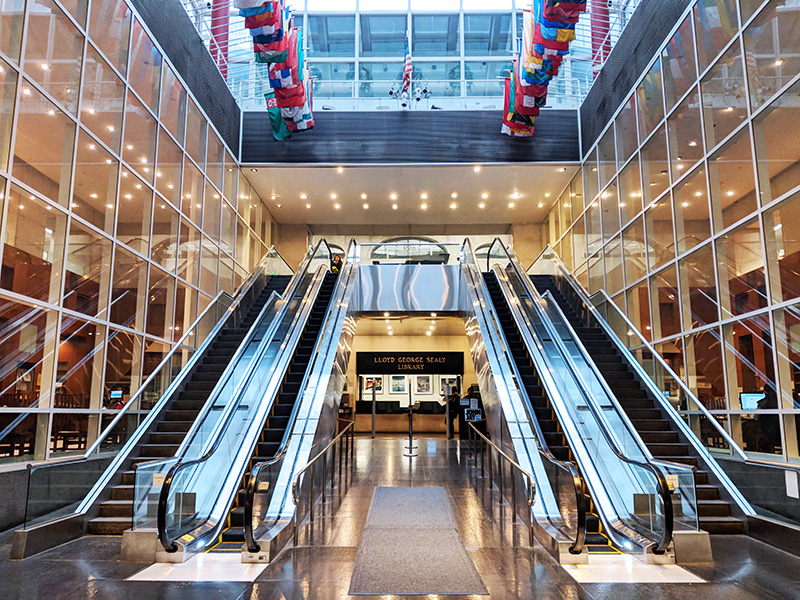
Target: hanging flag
(408,68)
(280,131)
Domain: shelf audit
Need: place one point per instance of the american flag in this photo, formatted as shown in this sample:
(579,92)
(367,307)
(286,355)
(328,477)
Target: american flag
(408,68)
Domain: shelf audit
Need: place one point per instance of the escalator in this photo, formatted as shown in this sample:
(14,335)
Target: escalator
(597,542)
(279,419)
(116,513)
(659,433)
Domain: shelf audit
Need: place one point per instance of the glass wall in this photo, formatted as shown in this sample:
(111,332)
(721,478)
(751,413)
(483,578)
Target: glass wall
(112,183)
(706,171)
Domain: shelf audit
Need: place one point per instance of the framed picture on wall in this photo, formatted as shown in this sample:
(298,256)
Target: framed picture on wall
(397,384)
(424,384)
(375,383)
(446,381)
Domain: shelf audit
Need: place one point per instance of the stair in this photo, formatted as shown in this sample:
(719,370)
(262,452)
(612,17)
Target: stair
(116,513)
(659,434)
(278,421)
(597,542)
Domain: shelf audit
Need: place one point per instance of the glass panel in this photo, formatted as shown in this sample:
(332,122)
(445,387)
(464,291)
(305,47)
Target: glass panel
(145,73)
(193,182)
(733,185)
(80,365)
(189,253)
(692,224)
(231,178)
(596,278)
(196,134)
(778,155)
(748,7)
(704,372)
(488,34)
(168,173)
(634,251)
(678,60)
(216,155)
(724,96)
(579,242)
(576,195)
(665,303)
(24,331)
(164,239)
(241,242)
(613,254)
(383,35)
(699,288)
(129,290)
(627,139)
(606,156)
(610,203)
(94,194)
(593,231)
(12,15)
(649,101)
(783,248)
(103,100)
(44,167)
(741,266)
(590,178)
(133,212)
(34,245)
(772,47)
(715,24)
(331,35)
(226,273)
(655,166)
(685,141)
(787,334)
(8,94)
(160,303)
(211,215)
(435,35)
(123,361)
(87,273)
(173,104)
(228,229)
(208,267)
(660,240)
(630,191)
(140,139)
(68,432)
(185,310)
(109,28)
(53,52)
(638,299)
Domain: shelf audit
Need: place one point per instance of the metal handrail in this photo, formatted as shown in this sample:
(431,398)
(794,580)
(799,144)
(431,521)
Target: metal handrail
(664,364)
(249,534)
(217,434)
(531,488)
(249,496)
(544,450)
(661,481)
(296,481)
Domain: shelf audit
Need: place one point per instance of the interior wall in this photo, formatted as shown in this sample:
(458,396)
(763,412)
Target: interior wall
(410,343)
(527,241)
(292,242)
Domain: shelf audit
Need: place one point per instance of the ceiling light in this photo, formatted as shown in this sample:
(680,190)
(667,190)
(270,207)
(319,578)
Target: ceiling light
(453,206)
(484,195)
(51,112)
(303,196)
(778,227)
(424,206)
(511,205)
(729,109)
(90,111)
(424,196)
(692,143)
(431,328)
(730,193)
(477,168)
(365,206)
(389,327)
(515,195)
(44,66)
(482,205)
(26,91)
(308,206)
(333,196)
(110,128)
(387,322)
(254,170)
(429,332)
(778,62)
(562,169)
(394,206)
(278,205)
(109,206)
(541,205)
(685,205)
(386,314)
(680,167)
(698,194)
(92,195)
(127,196)
(170,186)
(547,195)
(337,206)
(340,169)
(363,196)
(393,196)
(594,169)
(454,195)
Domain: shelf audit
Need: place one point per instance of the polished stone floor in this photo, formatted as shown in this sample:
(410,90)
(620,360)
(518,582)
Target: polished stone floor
(321,567)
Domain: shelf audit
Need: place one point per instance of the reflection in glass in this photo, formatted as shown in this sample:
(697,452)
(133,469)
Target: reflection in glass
(95,189)
(638,300)
(579,242)
(634,251)
(133,212)
(196,134)
(627,139)
(699,286)
(228,229)
(35,235)
(8,94)
(649,101)
(596,275)
(164,239)
(160,303)
(630,191)
(692,224)
(24,331)
(53,52)
(216,156)
(140,139)
(685,141)
(44,167)
(435,35)
(741,270)
(123,362)
(704,369)
(606,155)
(610,203)
(655,166)
(129,289)
(231,178)
(145,65)
(783,248)
(173,104)
(715,24)
(226,273)
(383,35)
(665,303)
(103,100)
(724,96)
(109,28)
(733,185)
(678,60)
(185,310)
(168,172)
(787,336)
(331,35)
(488,34)
(12,14)
(193,183)
(189,253)
(208,267)
(778,158)
(660,240)
(87,273)
(590,178)
(80,366)
(613,258)
(594,236)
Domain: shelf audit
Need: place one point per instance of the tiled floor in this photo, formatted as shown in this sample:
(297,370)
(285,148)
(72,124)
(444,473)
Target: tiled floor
(321,568)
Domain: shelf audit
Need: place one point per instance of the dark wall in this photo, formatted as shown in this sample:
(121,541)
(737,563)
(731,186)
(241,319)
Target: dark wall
(412,137)
(649,27)
(13,491)
(173,30)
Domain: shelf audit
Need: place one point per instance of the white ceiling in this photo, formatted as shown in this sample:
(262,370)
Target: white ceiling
(403,325)
(281,188)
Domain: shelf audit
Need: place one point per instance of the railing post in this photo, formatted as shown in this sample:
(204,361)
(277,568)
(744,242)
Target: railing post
(513,496)
(491,467)
(311,495)
(324,473)
(500,475)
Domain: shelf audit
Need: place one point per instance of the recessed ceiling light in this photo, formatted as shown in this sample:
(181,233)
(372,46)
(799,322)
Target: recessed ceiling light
(365,206)
(692,143)
(394,206)
(387,322)
(333,196)
(541,205)
(272,197)
(393,196)
(363,196)
(511,205)
(685,205)
(254,170)
(547,195)
(698,194)
(482,205)
(340,169)
(453,205)
(278,205)
(729,109)
(92,195)
(454,195)
(391,333)
(429,332)
(386,314)
(562,169)
(337,206)
(484,195)
(778,62)
(424,196)
(303,196)
(515,195)
(308,206)
(389,327)
(477,168)
(431,328)
(44,66)
(109,206)
(423,206)
(730,193)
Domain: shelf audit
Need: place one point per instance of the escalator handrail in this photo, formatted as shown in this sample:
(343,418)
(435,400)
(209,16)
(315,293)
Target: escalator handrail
(222,424)
(570,467)
(249,533)
(635,363)
(661,481)
(578,483)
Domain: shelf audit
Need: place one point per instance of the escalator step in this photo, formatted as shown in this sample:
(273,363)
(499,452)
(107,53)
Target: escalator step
(233,534)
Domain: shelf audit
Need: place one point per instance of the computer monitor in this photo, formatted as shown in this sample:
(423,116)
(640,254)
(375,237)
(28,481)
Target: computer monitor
(750,401)
(116,394)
